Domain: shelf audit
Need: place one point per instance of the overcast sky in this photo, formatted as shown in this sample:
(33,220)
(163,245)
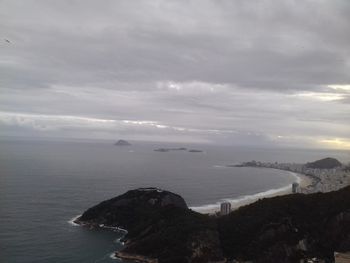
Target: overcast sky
(223,71)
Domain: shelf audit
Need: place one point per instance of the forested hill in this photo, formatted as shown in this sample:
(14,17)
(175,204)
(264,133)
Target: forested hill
(285,228)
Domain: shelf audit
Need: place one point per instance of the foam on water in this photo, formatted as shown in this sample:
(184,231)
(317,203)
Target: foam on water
(117,229)
(71,221)
(220,166)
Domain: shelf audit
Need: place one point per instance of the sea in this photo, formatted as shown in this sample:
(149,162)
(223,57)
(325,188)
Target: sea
(45,184)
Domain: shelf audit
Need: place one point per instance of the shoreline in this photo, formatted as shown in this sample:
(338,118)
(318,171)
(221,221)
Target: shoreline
(303,180)
(306,184)
(72,221)
(133,257)
(75,222)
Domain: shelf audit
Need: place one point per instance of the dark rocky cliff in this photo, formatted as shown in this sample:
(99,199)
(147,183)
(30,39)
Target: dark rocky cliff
(282,229)
(132,208)
(160,227)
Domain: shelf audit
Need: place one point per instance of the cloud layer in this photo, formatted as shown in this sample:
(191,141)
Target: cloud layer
(248,72)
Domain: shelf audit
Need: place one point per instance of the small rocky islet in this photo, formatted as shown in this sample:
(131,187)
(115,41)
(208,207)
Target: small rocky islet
(291,228)
(177,149)
(122,143)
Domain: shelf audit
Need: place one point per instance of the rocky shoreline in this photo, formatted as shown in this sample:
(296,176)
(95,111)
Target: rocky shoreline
(288,228)
(134,257)
(159,224)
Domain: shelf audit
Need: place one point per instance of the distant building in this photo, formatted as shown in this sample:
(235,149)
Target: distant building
(225,208)
(295,188)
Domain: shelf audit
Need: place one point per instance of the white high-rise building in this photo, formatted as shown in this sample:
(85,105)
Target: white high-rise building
(295,188)
(225,208)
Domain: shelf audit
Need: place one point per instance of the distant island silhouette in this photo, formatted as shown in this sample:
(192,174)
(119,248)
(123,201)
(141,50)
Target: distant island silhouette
(177,149)
(122,143)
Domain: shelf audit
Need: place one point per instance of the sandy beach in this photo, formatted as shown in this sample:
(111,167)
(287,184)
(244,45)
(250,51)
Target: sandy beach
(303,180)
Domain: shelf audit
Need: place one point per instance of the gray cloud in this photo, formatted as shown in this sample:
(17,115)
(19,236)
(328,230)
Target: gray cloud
(252,71)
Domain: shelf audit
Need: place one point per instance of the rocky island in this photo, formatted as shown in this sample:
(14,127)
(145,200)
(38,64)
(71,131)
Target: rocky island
(195,151)
(177,149)
(170,149)
(122,143)
(284,229)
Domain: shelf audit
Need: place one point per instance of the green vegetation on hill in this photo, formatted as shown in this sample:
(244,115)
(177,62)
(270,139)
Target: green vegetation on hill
(172,236)
(288,227)
(159,225)
(285,228)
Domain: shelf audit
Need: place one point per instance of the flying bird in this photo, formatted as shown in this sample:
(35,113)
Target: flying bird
(8,41)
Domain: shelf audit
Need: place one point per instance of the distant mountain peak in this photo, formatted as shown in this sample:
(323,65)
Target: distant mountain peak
(326,163)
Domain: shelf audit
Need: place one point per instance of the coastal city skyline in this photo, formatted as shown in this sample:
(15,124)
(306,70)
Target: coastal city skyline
(262,73)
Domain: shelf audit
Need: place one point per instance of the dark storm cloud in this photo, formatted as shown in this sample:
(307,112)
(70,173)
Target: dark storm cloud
(240,68)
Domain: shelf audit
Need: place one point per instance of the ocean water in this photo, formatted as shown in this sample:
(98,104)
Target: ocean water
(44,184)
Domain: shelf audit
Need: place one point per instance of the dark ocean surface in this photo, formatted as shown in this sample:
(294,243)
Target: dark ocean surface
(44,184)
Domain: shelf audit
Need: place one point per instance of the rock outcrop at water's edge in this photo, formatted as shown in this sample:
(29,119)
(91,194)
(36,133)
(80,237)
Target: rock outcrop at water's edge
(285,229)
(160,227)
(131,209)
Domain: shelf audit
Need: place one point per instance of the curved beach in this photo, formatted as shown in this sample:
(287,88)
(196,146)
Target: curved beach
(301,179)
